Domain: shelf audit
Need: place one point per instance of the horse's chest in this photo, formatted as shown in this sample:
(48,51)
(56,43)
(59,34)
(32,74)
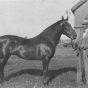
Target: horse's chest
(43,50)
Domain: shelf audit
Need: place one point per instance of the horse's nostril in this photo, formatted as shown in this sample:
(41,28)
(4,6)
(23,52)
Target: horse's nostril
(75,36)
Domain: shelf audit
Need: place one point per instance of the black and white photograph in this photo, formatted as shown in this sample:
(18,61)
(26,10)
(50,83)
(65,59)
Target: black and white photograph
(43,43)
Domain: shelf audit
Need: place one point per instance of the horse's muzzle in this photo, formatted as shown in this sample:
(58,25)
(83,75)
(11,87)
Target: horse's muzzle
(74,37)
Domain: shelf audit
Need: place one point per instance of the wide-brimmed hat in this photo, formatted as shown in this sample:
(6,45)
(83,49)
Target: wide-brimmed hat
(85,20)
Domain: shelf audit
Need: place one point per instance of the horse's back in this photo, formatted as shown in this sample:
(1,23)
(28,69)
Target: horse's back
(37,47)
(7,42)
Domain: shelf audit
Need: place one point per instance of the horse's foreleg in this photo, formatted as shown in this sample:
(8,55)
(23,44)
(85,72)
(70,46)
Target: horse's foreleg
(2,65)
(1,73)
(77,52)
(45,69)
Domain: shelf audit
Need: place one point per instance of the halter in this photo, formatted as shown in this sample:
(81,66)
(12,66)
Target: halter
(71,39)
(62,23)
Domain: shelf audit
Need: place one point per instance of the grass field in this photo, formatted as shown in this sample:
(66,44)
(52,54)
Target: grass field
(62,72)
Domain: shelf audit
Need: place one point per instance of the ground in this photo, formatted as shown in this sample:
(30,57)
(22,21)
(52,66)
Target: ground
(62,72)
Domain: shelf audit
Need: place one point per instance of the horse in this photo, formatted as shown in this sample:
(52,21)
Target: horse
(41,47)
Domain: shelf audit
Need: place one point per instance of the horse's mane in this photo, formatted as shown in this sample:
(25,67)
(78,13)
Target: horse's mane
(51,28)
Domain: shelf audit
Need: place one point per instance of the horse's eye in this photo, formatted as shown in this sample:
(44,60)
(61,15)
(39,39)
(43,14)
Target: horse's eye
(65,24)
(84,31)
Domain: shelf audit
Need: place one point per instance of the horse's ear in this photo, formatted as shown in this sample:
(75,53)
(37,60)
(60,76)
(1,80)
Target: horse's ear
(62,18)
(67,18)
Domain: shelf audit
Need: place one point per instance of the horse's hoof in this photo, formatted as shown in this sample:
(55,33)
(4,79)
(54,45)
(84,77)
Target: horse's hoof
(1,82)
(77,55)
(44,83)
(84,81)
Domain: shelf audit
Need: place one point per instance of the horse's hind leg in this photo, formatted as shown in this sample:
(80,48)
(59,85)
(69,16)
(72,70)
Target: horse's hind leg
(45,69)
(2,65)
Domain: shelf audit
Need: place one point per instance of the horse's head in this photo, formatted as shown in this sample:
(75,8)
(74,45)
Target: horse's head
(67,29)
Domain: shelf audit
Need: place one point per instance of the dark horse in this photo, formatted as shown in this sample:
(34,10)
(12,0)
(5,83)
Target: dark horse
(41,47)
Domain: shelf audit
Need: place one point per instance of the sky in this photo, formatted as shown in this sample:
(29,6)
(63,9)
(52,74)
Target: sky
(28,18)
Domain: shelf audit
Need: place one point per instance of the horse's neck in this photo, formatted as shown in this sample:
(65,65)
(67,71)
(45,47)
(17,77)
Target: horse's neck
(57,36)
(53,33)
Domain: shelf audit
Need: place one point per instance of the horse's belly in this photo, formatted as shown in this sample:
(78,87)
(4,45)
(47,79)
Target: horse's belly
(30,56)
(27,54)
(34,52)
